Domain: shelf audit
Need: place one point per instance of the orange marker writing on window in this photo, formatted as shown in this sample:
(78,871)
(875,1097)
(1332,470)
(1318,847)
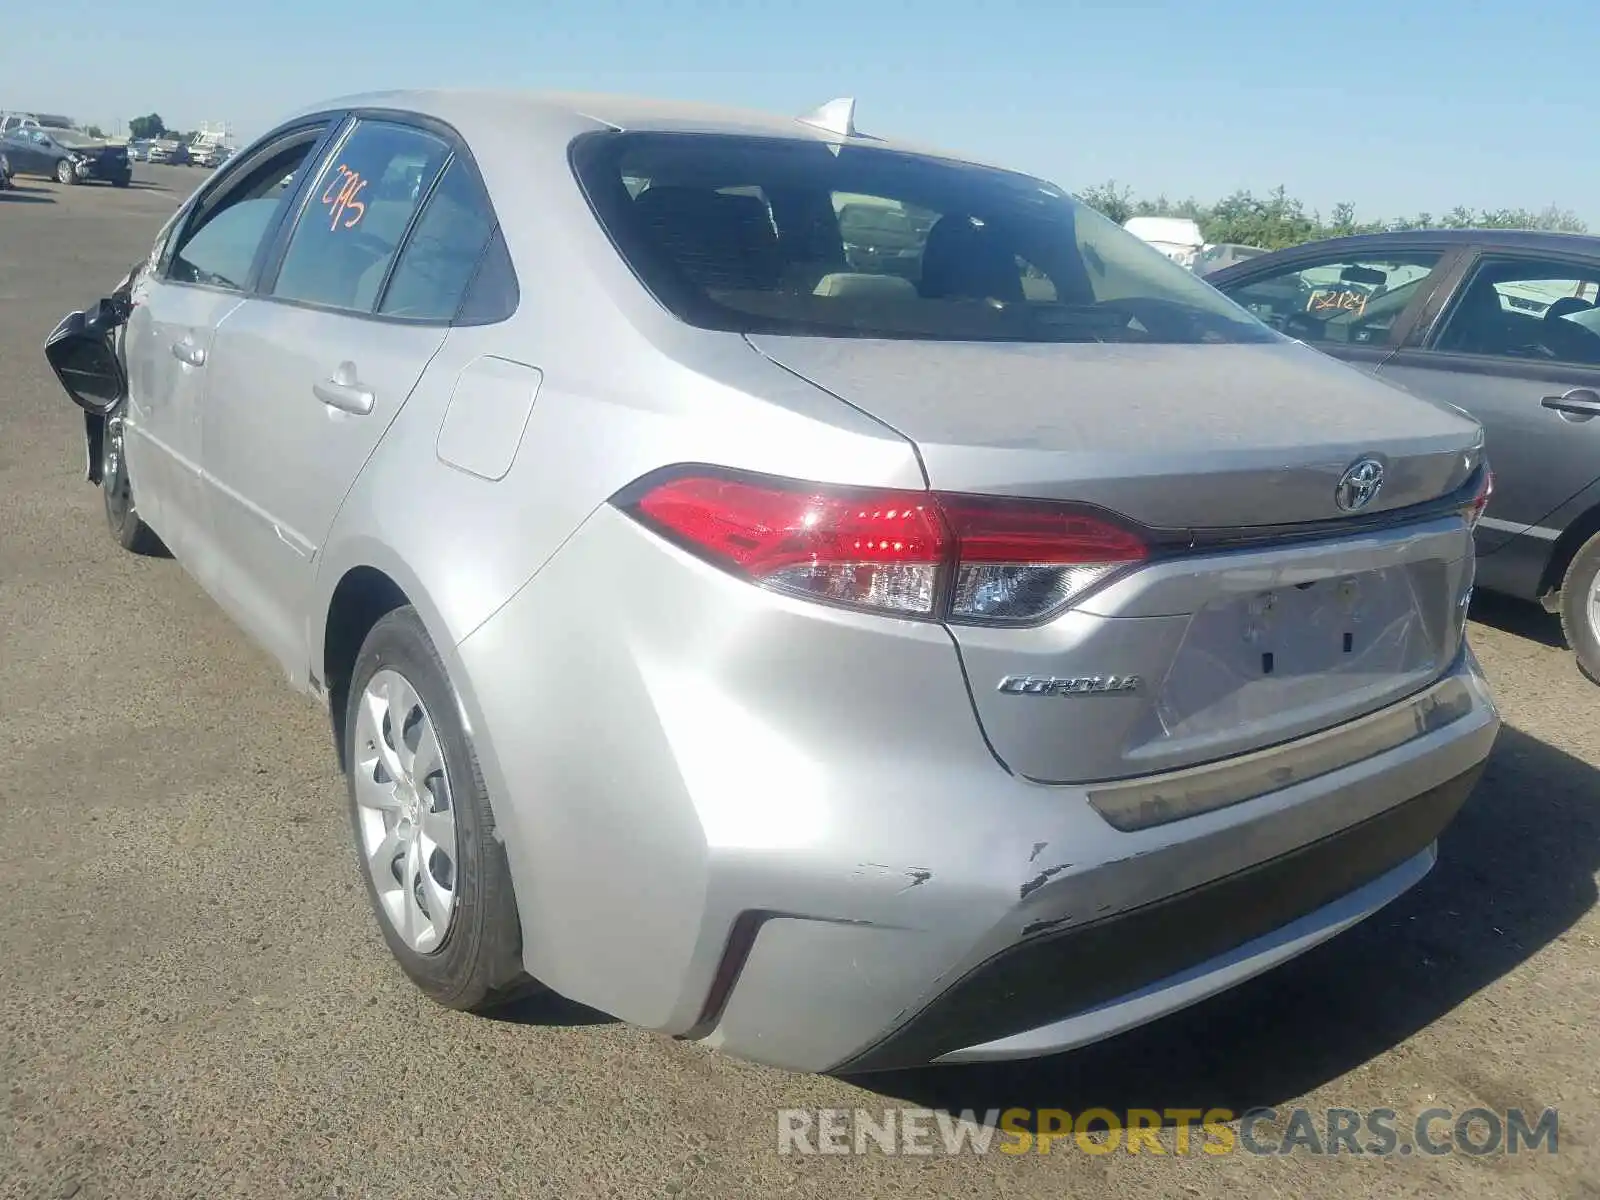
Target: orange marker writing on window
(338,180)
(347,209)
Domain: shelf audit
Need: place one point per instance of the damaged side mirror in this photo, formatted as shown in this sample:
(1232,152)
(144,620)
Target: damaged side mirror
(82,353)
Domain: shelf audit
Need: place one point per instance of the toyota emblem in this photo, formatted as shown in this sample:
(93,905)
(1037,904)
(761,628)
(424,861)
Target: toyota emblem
(1359,485)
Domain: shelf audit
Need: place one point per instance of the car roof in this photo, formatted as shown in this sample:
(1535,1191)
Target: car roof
(555,113)
(1536,240)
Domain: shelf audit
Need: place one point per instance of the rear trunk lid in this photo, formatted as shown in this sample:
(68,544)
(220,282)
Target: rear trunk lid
(1231,647)
(1223,436)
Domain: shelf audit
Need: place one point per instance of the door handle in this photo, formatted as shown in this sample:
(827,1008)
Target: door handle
(344,391)
(1579,402)
(188,352)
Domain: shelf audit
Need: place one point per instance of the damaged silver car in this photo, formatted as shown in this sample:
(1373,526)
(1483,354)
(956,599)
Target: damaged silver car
(850,661)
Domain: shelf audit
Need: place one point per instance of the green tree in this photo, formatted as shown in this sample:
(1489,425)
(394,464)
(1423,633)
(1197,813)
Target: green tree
(1109,199)
(1271,222)
(1551,219)
(143,128)
(1278,220)
(95,131)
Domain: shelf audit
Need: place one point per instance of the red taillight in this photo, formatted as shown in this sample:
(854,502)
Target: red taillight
(874,549)
(925,554)
(1018,560)
(1480,501)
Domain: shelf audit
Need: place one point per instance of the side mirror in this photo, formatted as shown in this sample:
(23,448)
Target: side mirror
(82,354)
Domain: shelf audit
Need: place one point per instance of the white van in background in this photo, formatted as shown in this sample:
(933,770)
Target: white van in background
(1178,238)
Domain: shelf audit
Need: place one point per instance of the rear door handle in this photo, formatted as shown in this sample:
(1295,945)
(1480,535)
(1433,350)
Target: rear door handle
(1579,402)
(344,391)
(188,352)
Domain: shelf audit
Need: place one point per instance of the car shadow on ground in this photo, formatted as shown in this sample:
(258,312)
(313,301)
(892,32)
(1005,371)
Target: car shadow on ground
(547,1008)
(1516,870)
(20,194)
(1519,617)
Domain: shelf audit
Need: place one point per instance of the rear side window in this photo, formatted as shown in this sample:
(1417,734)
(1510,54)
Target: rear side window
(1539,309)
(356,213)
(443,251)
(774,235)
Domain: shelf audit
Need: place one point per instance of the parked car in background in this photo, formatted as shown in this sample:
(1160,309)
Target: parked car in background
(66,155)
(11,120)
(1218,257)
(208,154)
(849,672)
(139,150)
(1502,324)
(880,237)
(173,154)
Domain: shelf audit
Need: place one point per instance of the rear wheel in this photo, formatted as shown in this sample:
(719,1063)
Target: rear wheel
(1580,607)
(65,173)
(435,872)
(122,515)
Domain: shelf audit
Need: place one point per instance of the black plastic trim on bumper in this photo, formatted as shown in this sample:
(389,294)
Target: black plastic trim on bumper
(1054,976)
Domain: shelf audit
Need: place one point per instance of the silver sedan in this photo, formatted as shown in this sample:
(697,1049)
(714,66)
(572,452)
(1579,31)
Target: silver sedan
(853,660)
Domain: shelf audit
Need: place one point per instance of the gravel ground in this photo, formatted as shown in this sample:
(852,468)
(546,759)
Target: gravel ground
(194,1000)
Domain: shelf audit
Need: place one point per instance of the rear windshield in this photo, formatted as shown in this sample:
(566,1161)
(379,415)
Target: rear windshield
(773,235)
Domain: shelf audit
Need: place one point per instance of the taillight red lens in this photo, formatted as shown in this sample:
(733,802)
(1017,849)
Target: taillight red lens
(925,554)
(1474,511)
(1017,560)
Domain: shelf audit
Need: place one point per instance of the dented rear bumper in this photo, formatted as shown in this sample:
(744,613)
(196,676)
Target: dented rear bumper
(799,848)
(1105,930)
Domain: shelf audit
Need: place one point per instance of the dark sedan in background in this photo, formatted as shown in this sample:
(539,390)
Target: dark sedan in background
(1503,324)
(66,156)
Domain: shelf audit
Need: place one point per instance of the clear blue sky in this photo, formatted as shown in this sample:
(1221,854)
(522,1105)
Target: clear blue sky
(1400,106)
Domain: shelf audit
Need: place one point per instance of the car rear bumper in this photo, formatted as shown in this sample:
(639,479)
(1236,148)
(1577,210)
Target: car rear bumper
(1057,991)
(104,172)
(776,827)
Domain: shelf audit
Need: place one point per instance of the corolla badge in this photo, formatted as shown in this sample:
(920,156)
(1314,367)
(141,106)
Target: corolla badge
(1075,685)
(1359,485)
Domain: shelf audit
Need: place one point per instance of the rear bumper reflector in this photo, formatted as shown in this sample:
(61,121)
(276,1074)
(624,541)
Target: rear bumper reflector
(1156,800)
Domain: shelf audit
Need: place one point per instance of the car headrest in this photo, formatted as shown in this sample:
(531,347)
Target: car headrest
(964,259)
(719,241)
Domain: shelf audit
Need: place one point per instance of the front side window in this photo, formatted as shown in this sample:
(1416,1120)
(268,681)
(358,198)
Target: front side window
(356,213)
(770,235)
(1542,310)
(219,244)
(1352,300)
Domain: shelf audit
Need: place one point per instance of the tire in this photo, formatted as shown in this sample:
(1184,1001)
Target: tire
(1580,607)
(65,174)
(116,488)
(472,959)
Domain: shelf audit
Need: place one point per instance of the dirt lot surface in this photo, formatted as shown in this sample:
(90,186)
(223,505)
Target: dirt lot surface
(194,1000)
